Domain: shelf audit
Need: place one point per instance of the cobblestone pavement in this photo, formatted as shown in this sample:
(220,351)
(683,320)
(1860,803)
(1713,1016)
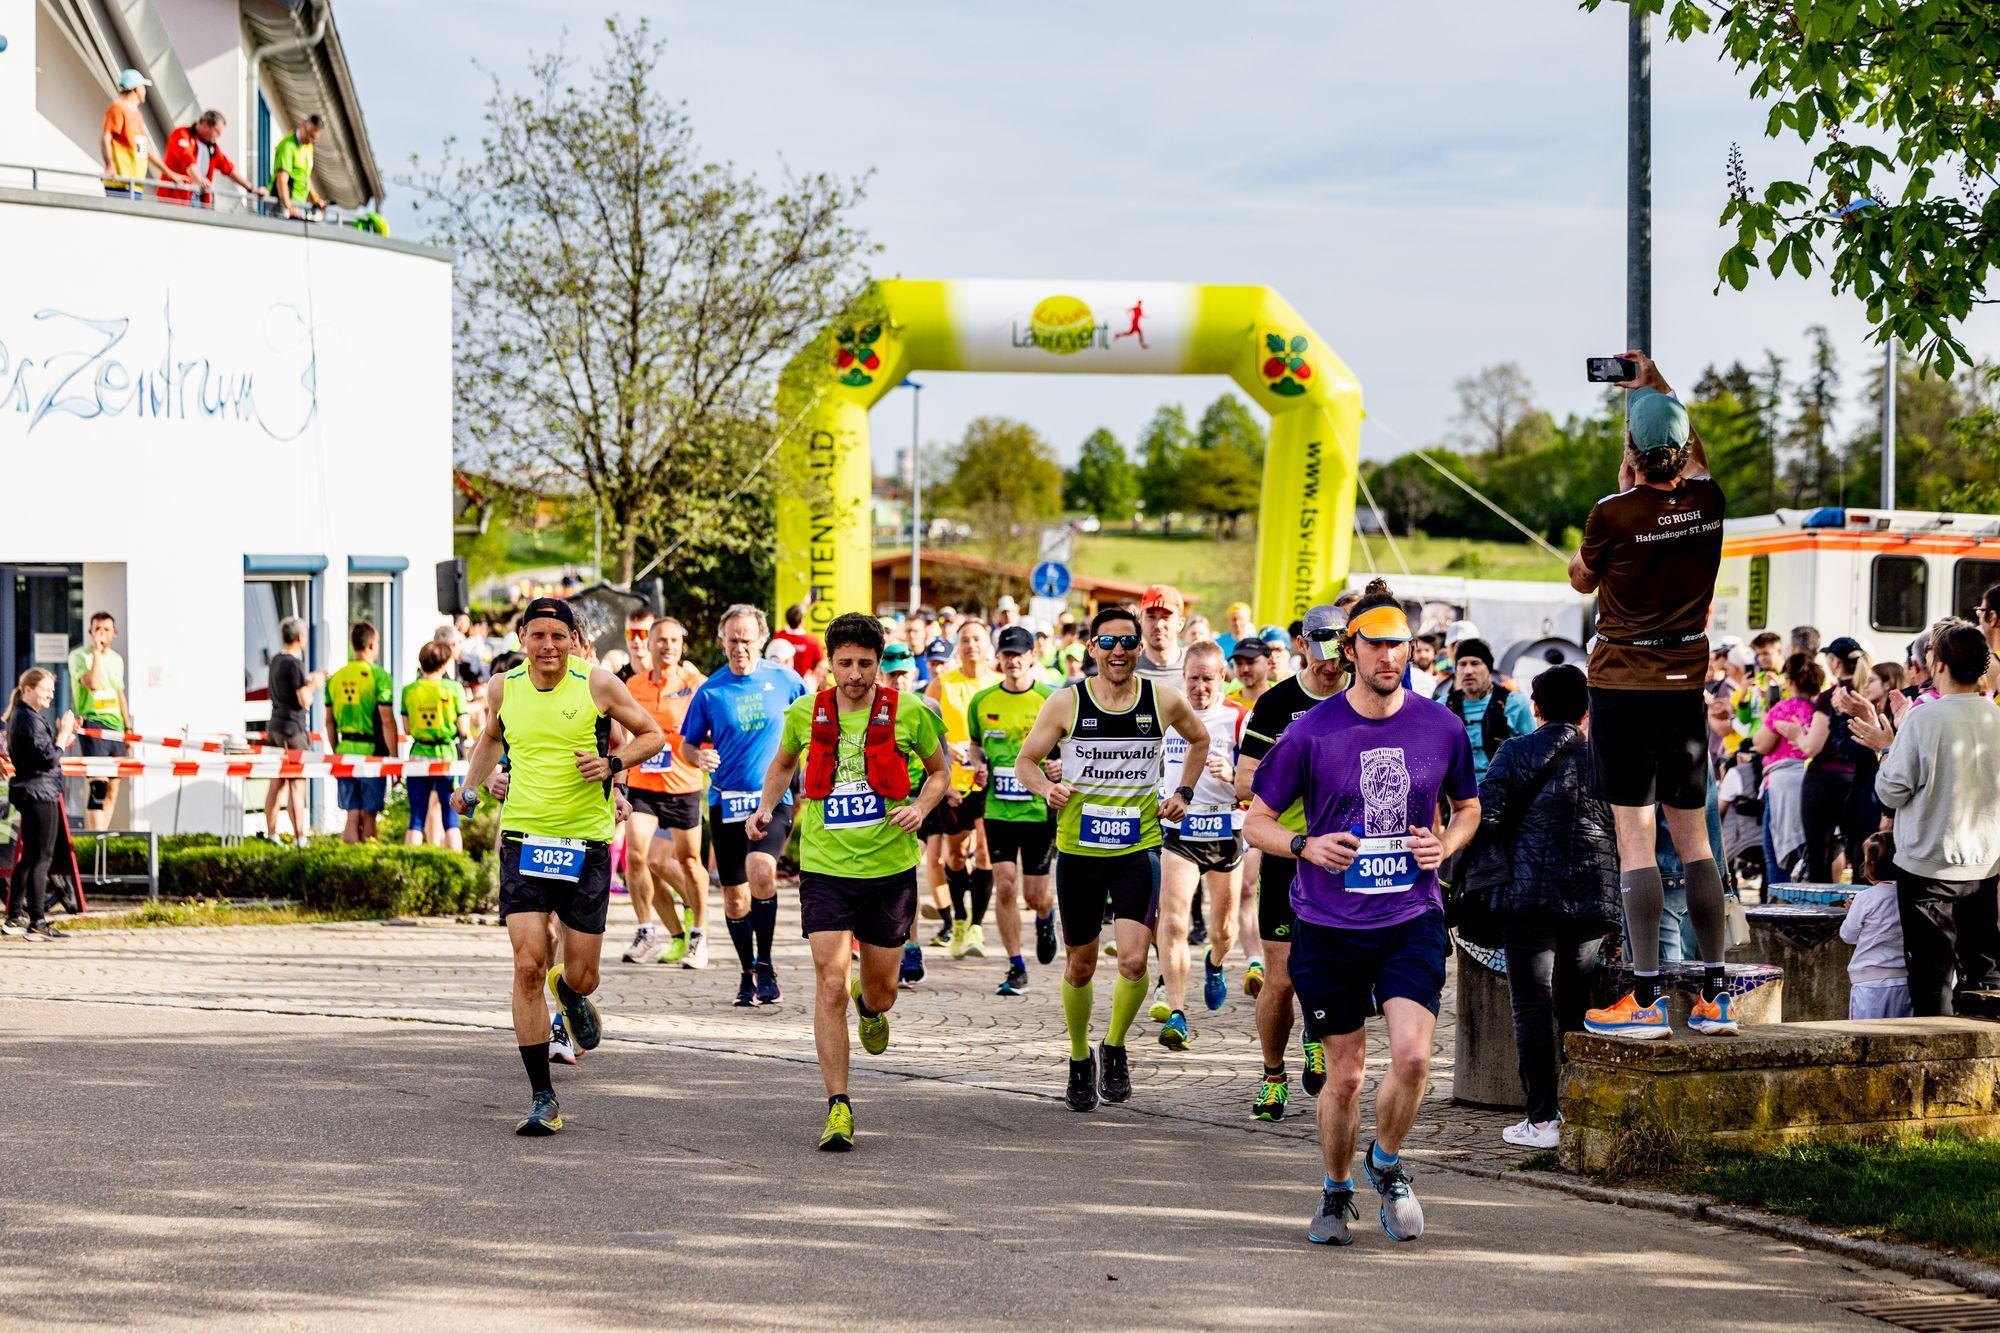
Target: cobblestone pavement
(952,1027)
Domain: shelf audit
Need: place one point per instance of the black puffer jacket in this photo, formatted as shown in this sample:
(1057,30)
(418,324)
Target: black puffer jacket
(1564,857)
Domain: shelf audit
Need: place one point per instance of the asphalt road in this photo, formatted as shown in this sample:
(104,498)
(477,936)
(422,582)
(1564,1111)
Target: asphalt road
(172,1166)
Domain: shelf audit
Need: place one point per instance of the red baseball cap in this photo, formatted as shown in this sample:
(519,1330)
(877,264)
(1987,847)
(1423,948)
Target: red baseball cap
(1163,595)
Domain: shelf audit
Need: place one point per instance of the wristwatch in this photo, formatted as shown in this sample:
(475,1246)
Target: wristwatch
(1185,793)
(617,765)
(1298,846)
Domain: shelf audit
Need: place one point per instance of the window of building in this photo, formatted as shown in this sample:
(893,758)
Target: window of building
(267,600)
(375,594)
(1899,594)
(1969,579)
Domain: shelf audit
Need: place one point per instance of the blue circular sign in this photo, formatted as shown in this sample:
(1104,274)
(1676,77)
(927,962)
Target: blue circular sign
(1050,579)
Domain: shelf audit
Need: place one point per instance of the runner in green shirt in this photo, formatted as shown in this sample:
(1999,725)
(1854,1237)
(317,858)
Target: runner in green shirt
(858,845)
(1020,830)
(361,703)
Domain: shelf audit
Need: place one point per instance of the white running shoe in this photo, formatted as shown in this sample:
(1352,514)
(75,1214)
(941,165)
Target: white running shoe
(697,954)
(561,1051)
(1534,1134)
(642,944)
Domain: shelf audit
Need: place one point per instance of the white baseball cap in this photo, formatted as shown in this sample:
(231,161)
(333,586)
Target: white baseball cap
(131,78)
(1461,629)
(1007,602)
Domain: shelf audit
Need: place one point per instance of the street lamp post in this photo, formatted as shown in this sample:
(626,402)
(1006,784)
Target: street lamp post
(916,497)
(1639,182)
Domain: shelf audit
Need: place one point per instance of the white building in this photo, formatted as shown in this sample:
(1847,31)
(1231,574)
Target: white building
(208,419)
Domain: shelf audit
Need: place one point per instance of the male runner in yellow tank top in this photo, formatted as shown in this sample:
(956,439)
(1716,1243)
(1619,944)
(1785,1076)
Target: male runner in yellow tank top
(556,828)
(955,835)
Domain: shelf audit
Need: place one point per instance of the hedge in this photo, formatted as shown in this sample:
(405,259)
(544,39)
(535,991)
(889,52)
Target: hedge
(395,881)
(476,833)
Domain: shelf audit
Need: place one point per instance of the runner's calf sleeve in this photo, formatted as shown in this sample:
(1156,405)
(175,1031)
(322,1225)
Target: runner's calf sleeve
(1704,890)
(1644,896)
(1127,994)
(1077,1002)
(960,881)
(739,935)
(536,1058)
(764,923)
(982,894)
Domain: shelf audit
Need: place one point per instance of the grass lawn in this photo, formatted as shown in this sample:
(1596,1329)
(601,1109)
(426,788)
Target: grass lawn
(1221,572)
(208,912)
(1941,1192)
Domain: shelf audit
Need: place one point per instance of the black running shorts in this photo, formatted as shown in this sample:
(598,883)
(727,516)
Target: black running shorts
(1032,841)
(953,820)
(1275,917)
(1131,878)
(1650,745)
(1220,854)
(732,848)
(1343,976)
(580,904)
(674,809)
(880,911)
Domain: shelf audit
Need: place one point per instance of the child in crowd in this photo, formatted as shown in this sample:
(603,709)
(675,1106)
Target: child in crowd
(1878,979)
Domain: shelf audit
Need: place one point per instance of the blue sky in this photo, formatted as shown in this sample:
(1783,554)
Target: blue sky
(1435,185)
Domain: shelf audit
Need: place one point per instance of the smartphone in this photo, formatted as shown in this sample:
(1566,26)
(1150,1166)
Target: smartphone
(1608,369)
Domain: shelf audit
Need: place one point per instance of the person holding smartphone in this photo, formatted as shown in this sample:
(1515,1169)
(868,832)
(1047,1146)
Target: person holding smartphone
(1650,553)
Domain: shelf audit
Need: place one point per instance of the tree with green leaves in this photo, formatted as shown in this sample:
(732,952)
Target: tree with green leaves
(1003,481)
(1221,482)
(1103,482)
(623,306)
(1163,449)
(1897,99)
(1230,420)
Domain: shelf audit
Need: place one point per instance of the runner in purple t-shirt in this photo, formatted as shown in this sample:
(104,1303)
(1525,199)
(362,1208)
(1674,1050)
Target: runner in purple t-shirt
(1371,766)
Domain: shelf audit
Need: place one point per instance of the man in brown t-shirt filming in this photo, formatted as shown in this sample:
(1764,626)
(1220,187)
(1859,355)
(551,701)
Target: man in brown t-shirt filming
(1650,554)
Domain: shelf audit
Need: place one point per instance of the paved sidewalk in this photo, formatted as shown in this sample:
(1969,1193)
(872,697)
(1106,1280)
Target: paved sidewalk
(221,1127)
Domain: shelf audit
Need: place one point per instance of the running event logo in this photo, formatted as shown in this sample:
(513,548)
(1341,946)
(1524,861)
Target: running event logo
(1385,792)
(855,359)
(1065,325)
(1285,367)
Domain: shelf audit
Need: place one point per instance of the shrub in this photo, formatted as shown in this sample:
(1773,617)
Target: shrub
(370,877)
(477,832)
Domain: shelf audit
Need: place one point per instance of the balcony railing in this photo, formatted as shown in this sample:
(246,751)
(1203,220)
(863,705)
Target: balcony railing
(224,197)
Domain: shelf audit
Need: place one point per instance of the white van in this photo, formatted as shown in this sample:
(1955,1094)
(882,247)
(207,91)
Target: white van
(1880,575)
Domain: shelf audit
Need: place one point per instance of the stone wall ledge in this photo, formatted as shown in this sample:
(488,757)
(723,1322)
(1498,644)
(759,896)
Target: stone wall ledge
(1876,1041)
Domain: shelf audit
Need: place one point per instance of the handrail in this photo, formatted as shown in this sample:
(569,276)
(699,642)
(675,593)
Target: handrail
(221,198)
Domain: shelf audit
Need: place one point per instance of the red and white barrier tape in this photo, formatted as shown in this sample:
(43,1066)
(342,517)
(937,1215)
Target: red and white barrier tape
(192,745)
(264,766)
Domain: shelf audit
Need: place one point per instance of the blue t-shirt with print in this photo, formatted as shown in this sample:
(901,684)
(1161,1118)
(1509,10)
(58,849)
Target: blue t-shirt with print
(1520,721)
(741,716)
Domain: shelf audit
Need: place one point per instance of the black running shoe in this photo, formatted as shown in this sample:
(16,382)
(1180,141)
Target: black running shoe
(1197,934)
(767,984)
(543,1118)
(746,990)
(1045,938)
(1016,982)
(1115,1078)
(1082,1094)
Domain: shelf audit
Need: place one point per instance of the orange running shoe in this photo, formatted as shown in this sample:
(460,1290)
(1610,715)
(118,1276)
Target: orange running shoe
(1629,1018)
(1713,1018)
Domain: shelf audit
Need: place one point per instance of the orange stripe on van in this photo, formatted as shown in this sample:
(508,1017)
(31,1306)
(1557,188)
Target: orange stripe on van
(1882,542)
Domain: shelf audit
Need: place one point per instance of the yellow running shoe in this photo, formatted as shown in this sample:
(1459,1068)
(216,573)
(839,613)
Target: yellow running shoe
(874,1027)
(960,930)
(838,1136)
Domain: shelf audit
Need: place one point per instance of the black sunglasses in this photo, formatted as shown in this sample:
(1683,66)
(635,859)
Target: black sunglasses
(1323,633)
(1109,641)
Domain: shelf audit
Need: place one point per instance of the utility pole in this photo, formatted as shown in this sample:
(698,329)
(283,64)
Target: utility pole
(916,498)
(1889,426)
(1639,183)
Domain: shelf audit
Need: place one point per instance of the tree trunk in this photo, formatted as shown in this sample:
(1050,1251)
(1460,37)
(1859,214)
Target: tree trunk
(628,557)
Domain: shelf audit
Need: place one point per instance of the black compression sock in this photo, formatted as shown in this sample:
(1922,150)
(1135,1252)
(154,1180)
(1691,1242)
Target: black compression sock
(982,894)
(960,881)
(740,936)
(536,1059)
(945,915)
(1713,981)
(570,999)
(1646,989)
(764,921)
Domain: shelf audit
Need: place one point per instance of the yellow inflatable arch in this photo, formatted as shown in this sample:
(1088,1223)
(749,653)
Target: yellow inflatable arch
(1305,521)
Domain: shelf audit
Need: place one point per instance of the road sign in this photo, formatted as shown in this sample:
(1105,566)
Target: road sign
(1058,543)
(1050,579)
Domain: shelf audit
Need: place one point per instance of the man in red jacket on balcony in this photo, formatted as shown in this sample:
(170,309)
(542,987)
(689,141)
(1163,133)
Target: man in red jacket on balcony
(195,152)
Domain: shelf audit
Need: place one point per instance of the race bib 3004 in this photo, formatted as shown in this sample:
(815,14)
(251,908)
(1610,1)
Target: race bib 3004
(1006,785)
(1383,865)
(552,858)
(737,806)
(1112,827)
(852,805)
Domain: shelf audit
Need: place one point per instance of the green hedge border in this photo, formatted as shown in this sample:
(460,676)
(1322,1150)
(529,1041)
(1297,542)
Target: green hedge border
(367,877)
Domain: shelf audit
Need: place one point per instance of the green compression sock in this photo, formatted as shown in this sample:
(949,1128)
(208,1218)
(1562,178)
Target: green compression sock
(1127,994)
(1077,1004)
